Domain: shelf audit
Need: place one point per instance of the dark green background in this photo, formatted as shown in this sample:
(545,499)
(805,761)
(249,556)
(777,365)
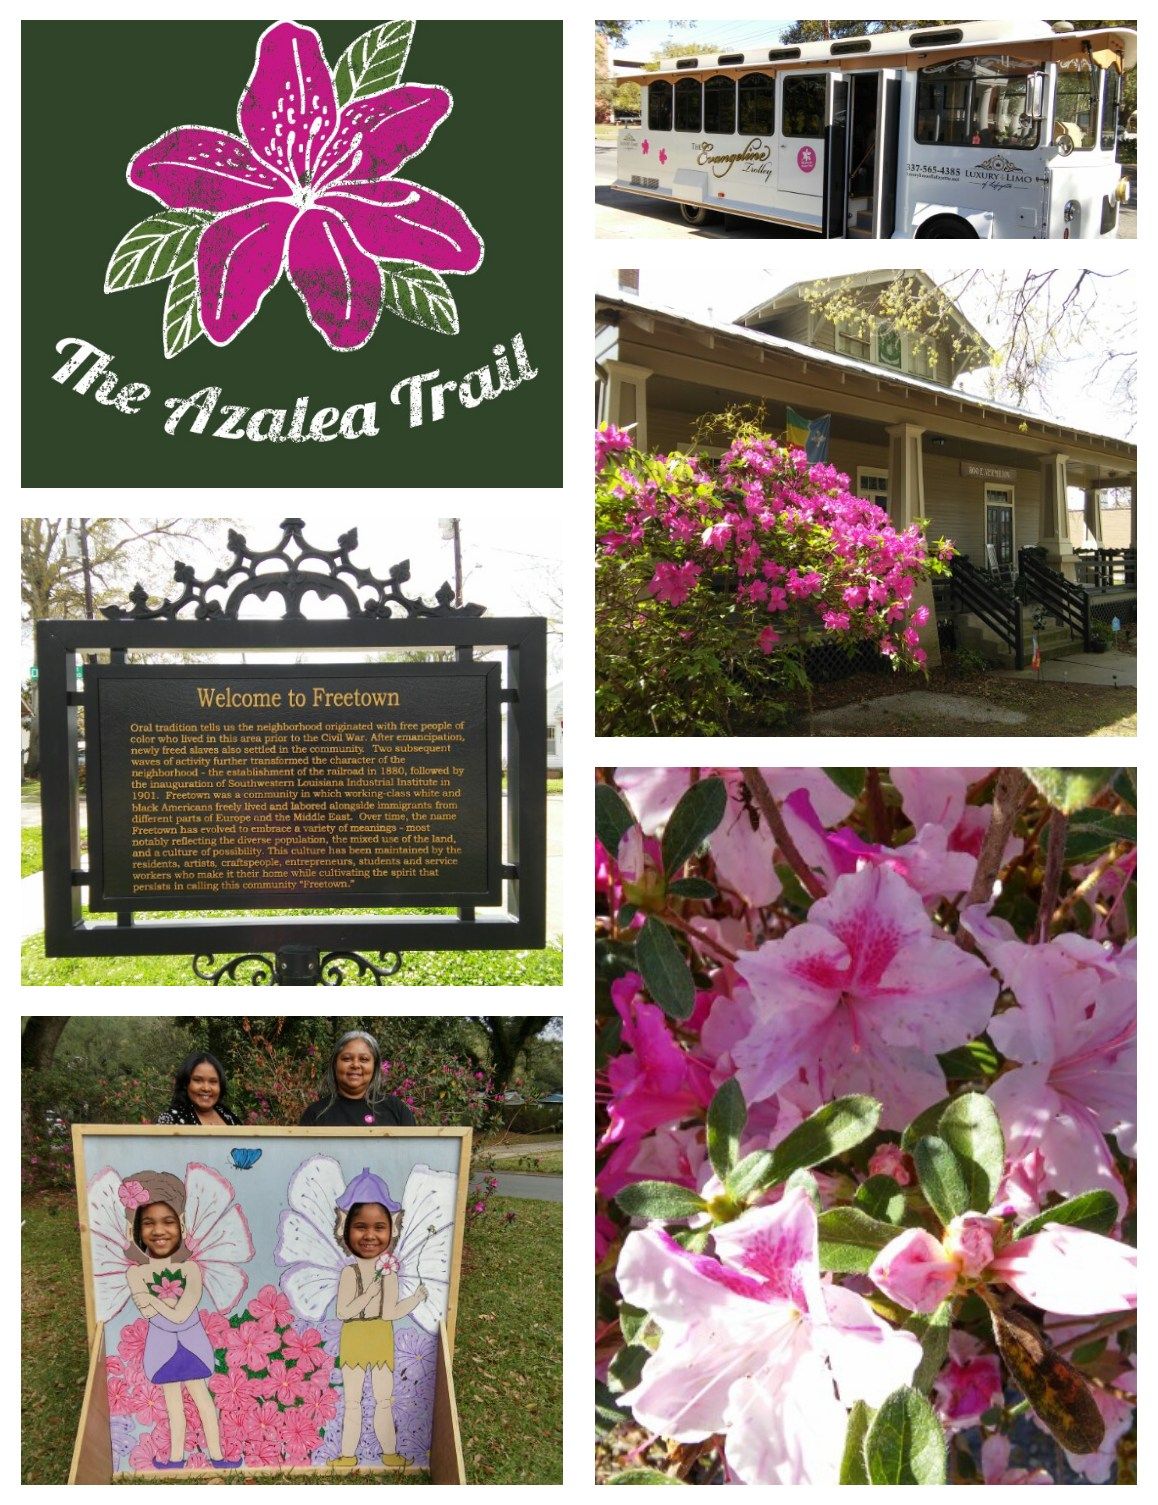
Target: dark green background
(95,93)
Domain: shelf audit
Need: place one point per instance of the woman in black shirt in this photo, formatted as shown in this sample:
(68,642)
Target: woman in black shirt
(199,1090)
(353,1093)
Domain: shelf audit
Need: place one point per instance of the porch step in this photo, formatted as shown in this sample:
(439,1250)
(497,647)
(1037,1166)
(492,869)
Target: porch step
(1052,641)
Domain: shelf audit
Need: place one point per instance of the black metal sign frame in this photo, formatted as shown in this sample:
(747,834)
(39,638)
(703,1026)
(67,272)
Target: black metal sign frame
(521,923)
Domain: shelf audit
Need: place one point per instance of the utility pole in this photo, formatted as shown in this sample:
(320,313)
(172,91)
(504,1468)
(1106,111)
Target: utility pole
(449,530)
(86,568)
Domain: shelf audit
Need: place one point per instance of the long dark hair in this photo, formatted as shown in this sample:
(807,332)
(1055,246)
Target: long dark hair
(185,1071)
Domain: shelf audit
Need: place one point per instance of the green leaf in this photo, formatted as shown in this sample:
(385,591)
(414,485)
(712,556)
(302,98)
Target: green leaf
(849,781)
(967,1063)
(660,1201)
(941,1178)
(727,1116)
(181,321)
(694,1240)
(664,970)
(880,1197)
(853,1469)
(373,62)
(643,1476)
(806,1181)
(612,818)
(831,1130)
(932,1331)
(608,1412)
(1125,787)
(850,1240)
(693,888)
(1093,832)
(924,1123)
(419,295)
(972,1130)
(699,812)
(155,248)
(905,1444)
(624,1371)
(1071,789)
(752,1176)
(1095,1210)
(632,1321)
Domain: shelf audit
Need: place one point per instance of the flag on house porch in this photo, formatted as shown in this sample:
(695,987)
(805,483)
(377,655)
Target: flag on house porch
(810,435)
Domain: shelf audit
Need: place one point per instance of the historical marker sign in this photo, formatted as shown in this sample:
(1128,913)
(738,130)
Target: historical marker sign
(290,786)
(364,788)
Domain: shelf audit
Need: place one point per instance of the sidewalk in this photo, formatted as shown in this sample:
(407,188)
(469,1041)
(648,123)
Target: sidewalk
(1109,669)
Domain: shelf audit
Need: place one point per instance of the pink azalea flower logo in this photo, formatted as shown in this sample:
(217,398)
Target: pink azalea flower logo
(662,155)
(645,147)
(309,189)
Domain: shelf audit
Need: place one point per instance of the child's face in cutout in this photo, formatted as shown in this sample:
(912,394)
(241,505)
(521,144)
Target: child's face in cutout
(368,1232)
(160,1229)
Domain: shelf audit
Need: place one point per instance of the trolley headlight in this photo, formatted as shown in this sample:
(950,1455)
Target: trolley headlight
(1122,190)
(1071,210)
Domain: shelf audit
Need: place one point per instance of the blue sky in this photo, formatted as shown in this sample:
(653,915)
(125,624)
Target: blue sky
(645,37)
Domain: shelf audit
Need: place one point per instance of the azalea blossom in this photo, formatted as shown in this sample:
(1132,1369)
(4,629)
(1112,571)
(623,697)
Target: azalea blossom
(754,1345)
(1060,1269)
(308,188)
(860,998)
(968,1385)
(995,1467)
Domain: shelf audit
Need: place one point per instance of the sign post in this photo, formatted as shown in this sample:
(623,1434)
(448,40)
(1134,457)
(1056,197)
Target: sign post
(368,787)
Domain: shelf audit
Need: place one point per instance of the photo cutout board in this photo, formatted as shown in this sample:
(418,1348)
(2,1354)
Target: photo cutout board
(270,1299)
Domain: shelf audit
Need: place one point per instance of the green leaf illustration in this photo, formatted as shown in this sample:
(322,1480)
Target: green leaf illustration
(905,1444)
(373,62)
(420,296)
(156,248)
(181,322)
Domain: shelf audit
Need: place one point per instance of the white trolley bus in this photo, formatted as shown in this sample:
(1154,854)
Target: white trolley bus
(984,129)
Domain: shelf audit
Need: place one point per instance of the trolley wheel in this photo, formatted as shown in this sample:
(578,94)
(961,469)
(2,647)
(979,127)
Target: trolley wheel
(946,227)
(694,214)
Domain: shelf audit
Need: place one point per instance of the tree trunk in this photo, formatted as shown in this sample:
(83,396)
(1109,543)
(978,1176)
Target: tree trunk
(39,1040)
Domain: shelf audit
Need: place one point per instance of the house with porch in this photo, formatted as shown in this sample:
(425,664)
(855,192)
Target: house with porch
(993,478)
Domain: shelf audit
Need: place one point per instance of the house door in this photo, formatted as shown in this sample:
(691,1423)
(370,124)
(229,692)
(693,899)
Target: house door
(999,525)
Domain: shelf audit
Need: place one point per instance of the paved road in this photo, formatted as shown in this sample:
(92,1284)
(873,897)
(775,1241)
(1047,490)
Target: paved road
(532,1188)
(623,216)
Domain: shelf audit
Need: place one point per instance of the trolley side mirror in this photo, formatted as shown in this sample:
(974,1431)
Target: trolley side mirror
(1035,96)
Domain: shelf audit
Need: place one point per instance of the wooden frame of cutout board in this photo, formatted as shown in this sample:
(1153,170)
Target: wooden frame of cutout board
(224,1344)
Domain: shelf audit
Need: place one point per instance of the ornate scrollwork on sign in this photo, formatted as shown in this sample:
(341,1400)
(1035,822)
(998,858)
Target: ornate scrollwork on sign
(331,573)
(298,966)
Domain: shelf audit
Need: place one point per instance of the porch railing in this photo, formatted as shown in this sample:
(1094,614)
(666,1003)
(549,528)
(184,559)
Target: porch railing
(1068,602)
(971,590)
(1107,569)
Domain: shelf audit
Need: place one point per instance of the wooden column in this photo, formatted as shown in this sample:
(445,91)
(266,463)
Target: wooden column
(625,398)
(1055,526)
(906,473)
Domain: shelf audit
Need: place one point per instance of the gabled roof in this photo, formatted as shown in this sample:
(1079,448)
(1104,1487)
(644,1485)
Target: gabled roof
(791,296)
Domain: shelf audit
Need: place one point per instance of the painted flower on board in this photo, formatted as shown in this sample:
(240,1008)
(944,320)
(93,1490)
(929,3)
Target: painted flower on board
(309,189)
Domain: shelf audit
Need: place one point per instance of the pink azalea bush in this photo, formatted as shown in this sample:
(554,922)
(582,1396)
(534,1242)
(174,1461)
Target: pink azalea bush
(745,562)
(866,1079)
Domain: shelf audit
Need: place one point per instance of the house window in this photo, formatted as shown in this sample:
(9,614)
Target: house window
(999,527)
(873,486)
(852,341)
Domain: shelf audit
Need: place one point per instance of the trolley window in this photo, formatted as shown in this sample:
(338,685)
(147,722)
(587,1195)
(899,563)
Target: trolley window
(720,107)
(659,106)
(1111,103)
(757,92)
(979,101)
(1075,113)
(803,110)
(689,105)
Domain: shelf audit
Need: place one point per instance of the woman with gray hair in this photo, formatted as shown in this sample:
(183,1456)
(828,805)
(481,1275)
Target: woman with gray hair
(353,1093)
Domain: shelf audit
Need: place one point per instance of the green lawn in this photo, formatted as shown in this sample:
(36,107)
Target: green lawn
(547,1163)
(30,858)
(508,1359)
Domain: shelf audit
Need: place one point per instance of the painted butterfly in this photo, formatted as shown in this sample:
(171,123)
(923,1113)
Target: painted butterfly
(244,1160)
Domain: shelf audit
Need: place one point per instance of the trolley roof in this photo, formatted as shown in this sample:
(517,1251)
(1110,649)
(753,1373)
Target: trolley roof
(1108,46)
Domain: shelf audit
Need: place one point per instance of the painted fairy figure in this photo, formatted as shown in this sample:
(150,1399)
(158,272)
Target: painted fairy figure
(378,1261)
(173,1246)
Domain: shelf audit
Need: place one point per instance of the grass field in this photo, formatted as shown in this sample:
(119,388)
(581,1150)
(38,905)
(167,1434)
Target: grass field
(530,1163)
(508,1359)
